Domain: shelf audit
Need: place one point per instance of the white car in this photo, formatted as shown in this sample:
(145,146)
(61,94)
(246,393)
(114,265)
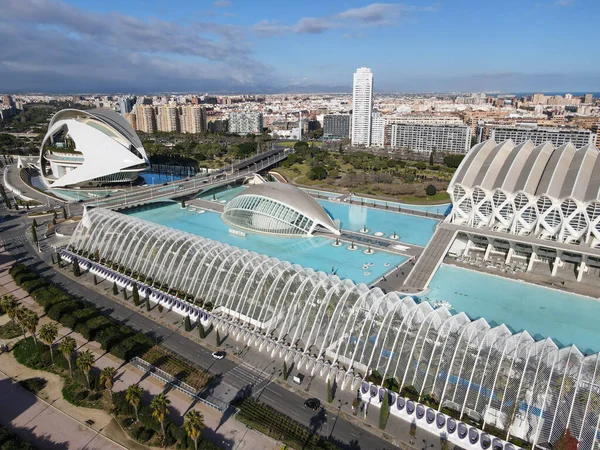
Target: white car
(219,355)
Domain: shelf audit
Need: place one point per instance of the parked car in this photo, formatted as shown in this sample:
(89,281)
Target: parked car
(313,403)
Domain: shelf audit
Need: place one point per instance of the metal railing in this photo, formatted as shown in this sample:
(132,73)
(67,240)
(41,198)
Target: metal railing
(181,386)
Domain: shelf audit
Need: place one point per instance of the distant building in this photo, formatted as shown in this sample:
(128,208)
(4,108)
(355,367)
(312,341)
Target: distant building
(246,123)
(336,126)
(377,130)
(131,118)
(167,119)
(362,106)
(126,105)
(146,118)
(588,98)
(427,138)
(539,135)
(217,125)
(193,119)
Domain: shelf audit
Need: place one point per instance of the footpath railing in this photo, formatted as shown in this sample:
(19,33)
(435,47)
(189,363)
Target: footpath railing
(181,386)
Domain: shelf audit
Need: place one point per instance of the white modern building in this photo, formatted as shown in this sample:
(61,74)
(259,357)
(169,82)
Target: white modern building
(539,135)
(378,123)
(90,148)
(427,138)
(278,208)
(362,106)
(246,122)
(547,192)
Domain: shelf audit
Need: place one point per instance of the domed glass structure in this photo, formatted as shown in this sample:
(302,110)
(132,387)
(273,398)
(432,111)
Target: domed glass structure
(278,208)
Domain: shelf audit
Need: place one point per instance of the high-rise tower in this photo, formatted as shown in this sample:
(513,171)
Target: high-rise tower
(362,106)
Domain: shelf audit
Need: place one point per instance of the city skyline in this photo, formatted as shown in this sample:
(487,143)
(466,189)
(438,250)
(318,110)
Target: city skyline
(235,47)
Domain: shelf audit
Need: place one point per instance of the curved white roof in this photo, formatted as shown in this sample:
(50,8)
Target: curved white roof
(291,197)
(106,148)
(543,170)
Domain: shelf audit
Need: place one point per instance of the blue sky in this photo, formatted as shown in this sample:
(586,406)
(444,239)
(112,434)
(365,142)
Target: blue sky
(273,46)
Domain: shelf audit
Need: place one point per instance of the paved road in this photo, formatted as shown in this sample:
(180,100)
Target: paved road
(235,377)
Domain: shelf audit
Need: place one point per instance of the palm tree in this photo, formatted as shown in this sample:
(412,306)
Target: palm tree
(48,333)
(10,304)
(85,361)
(30,322)
(107,377)
(133,395)
(67,346)
(193,424)
(21,316)
(160,409)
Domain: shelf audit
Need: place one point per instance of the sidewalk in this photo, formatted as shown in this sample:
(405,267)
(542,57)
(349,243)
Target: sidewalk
(231,434)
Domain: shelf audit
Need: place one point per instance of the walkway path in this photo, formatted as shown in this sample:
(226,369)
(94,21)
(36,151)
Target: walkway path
(42,424)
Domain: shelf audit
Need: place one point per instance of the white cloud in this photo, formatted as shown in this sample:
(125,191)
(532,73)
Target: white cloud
(372,15)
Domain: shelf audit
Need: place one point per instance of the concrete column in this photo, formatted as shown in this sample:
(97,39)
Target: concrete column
(582,269)
(557,263)
(487,252)
(509,254)
(467,247)
(532,260)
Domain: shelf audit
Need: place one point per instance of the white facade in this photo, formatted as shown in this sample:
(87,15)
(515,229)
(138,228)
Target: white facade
(547,192)
(89,148)
(377,130)
(246,122)
(427,138)
(362,106)
(540,135)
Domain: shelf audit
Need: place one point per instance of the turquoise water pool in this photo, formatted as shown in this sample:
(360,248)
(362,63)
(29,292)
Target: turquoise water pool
(438,209)
(567,318)
(314,252)
(222,194)
(410,229)
(152,178)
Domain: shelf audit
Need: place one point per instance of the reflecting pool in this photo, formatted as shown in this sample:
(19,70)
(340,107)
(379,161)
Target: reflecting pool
(315,252)
(543,312)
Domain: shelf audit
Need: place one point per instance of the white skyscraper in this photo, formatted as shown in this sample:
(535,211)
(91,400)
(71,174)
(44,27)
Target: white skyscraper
(362,105)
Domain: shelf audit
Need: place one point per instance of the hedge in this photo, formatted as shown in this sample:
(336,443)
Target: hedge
(81,316)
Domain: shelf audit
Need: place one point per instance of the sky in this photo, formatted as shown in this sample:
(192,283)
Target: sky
(270,46)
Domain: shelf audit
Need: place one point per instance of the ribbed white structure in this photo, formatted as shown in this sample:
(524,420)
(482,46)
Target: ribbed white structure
(278,208)
(91,147)
(332,327)
(548,192)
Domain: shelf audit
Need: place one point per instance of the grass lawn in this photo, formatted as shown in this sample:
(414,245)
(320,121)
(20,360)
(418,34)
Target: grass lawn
(8,331)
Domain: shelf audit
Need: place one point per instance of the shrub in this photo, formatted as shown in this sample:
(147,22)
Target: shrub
(26,353)
(187,324)
(132,346)
(95,325)
(410,392)
(121,404)
(431,190)
(62,308)
(34,385)
(33,285)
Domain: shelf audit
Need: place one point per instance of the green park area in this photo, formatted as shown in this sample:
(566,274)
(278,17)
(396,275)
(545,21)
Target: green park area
(365,173)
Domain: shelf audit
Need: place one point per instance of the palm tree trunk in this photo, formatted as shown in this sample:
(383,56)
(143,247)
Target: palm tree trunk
(196,443)
(137,419)
(70,369)
(51,353)
(87,377)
